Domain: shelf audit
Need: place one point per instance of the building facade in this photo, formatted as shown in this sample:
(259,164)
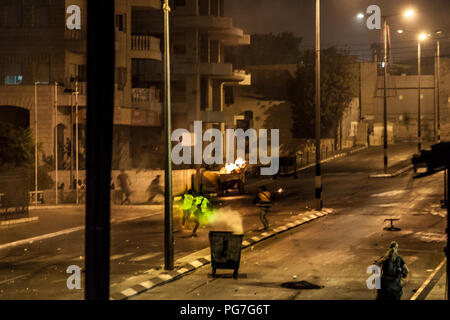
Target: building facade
(38,50)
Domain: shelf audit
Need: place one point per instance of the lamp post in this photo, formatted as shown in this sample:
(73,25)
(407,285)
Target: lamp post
(168,210)
(407,14)
(56,139)
(76,139)
(318,176)
(419,93)
(35,144)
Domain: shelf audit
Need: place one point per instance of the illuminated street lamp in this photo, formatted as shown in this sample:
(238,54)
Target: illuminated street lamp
(407,14)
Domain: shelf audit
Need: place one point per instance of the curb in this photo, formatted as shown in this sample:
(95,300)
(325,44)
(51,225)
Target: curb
(18,221)
(170,276)
(339,155)
(391,175)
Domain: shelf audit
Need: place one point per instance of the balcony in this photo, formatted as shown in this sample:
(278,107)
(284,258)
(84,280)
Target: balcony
(203,22)
(145,47)
(76,40)
(146,98)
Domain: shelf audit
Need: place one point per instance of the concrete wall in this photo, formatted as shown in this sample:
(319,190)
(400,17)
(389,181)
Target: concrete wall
(140,180)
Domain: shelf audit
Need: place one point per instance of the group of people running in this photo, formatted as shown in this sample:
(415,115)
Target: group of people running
(198,205)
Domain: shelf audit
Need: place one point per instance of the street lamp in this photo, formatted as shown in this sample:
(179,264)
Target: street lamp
(407,14)
(168,210)
(422,37)
(318,176)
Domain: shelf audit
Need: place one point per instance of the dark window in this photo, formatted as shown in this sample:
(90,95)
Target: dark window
(120,22)
(13,74)
(42,16)
(215,8)
(180,3)
(13,16)
(204,7)
(204,94)
(82,73)
(222,8)
(204,48)
(179,49)
(229,95)
(179,91)
(215,51)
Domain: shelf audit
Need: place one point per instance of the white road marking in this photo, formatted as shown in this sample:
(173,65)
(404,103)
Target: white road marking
(423,286)
(165,277)
(119,256)
(196,264)
(147,284)
(129,292)
(145,257)
(15,278)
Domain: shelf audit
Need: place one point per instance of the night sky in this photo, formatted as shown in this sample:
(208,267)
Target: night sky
(340,26)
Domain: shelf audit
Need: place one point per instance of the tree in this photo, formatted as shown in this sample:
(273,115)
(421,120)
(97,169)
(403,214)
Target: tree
(16,146)
(338,88)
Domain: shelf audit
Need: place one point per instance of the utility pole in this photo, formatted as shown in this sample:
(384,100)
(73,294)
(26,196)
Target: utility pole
(318,177)
(419,103)
(168,210)
(56,140)
(385,131)
(438,88)
(99,134)
(35,145)
(76,139)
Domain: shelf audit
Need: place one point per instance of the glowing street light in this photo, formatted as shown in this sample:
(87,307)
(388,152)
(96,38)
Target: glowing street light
(409,13)
(423,36)
(360,16)
(400,31)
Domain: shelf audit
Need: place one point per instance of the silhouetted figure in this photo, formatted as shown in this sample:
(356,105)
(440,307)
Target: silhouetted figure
(124,184)
(154,189)
(393,269)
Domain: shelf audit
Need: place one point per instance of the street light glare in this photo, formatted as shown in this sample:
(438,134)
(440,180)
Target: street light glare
(400,31)
(423,36)
(360,15)
(410,13)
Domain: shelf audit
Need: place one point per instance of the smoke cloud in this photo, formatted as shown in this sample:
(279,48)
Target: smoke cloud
(226,219)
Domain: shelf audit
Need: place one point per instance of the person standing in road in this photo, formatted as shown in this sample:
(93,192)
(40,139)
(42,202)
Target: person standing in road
(393,270)
(263,201)
(124,183)
(188,200)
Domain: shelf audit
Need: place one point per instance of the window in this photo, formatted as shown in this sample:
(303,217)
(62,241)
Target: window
(13,74)
(204,97)
(82,75)
(179,91)
(179,49)
(120,22)
(42,16)
(180,3)
(204,7)
(204,48)
(42,72)
(215,56)
(13,16)
(214,8)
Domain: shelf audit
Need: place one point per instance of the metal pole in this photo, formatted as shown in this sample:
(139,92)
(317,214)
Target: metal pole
(99,133)
(448,230)
(168,214)
(419,133)
(385,138)
(71,138)
(318,177)
(56,140)
(35,146)
(76,140)
(438,88)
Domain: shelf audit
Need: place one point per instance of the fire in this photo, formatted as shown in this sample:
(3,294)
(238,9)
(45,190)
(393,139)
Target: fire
(231,167)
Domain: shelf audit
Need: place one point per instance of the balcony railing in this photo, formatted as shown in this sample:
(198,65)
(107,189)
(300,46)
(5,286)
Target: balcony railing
(146,97)
(75,35)
(145,43)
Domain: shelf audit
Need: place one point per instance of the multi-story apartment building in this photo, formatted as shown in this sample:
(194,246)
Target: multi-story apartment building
(36,46)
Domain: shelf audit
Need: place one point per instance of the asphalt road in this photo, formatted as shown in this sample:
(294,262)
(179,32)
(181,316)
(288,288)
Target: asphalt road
(38,270)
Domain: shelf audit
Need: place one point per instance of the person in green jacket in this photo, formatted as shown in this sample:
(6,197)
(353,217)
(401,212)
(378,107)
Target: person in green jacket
(201,206)
(188,200)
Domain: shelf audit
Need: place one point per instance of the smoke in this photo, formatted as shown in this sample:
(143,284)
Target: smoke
(226,219)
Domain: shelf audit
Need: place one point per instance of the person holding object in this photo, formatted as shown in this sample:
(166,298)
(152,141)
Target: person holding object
(393,270)
(263,201)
